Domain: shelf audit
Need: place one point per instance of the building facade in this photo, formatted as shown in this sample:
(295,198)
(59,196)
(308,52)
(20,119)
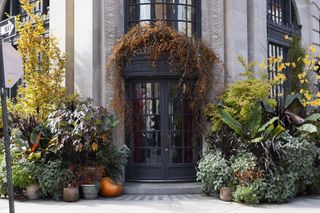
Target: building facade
(88,30)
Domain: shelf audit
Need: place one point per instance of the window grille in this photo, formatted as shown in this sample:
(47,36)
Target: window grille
(180,14)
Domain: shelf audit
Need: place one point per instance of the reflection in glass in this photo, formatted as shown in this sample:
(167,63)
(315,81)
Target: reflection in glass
(145,10)
(153,156)
(152,106)
(152,122)
(175,155)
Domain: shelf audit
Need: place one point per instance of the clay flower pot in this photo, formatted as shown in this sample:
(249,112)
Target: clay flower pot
(226,193)
(32,192)
(90,191)
(71,194)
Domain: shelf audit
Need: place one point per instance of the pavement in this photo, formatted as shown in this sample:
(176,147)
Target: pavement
(191,203)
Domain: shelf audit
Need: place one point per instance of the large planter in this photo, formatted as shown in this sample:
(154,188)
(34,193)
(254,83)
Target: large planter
(32,192)
(226,193)
(90,191)
(71,194)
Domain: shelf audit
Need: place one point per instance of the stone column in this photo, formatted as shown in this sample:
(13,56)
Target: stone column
(87,49)
(212,12)
(113,22)
(257,30)
(236,37)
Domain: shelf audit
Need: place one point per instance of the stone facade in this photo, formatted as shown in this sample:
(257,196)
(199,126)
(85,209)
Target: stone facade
(88,30)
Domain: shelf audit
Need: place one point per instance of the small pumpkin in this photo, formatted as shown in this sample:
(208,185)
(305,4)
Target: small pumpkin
(110,188)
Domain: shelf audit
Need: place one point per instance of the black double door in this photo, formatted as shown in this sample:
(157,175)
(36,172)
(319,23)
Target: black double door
(161,142)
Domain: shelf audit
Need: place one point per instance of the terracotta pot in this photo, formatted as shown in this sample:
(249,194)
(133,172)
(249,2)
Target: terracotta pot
(226,193)
(71,194)
(32,192)
(90,191)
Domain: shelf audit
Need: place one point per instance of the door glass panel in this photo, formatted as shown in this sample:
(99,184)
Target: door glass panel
(153,106)
(146,140)
(142,139)
(139,122)
(176,155)
(138,155)
(175,122)
(153,156)
(176,139)
(153,122)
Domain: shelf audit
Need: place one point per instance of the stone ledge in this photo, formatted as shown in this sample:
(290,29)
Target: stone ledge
(162,188)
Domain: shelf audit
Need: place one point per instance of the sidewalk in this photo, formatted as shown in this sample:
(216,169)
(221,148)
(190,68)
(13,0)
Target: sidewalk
(160,203)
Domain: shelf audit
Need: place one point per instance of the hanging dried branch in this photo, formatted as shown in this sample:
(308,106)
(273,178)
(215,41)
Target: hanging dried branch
(187,56)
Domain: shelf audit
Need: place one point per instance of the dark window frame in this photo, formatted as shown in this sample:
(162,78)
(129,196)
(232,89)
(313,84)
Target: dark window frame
(195,17)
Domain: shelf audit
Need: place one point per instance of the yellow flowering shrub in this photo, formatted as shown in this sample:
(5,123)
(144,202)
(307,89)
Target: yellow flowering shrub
(42,90)
(302,74)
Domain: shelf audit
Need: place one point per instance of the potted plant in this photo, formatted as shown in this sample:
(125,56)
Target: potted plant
(52,176)
(89,179)
(23,175)
(71,189)
(226,192)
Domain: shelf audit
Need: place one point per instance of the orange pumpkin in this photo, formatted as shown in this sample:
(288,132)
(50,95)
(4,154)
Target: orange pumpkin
(109,188)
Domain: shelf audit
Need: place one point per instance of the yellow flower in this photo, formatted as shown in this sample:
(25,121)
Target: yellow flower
(301,91)
(94,147)
(281,67)
(313,49)
(308,96)
(294,65)
(279,76)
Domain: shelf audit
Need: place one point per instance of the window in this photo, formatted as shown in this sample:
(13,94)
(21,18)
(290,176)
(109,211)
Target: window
(281,21)
(180,14)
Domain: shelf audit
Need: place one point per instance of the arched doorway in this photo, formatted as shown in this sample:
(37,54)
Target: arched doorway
(161,138)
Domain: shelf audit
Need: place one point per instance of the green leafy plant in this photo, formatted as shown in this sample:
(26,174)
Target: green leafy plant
(245,194)
(80,133)
(214,172)
(23,173)
(240,97)
(52,176)
(114,160)
(253,131)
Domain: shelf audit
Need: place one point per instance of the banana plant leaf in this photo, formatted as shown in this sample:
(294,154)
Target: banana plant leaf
(255,121)
(231,122)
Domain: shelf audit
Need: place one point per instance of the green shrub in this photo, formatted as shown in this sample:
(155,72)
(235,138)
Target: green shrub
(245,194)
(239,98)
(280,188)
(23,173)
(214,172)
(3,176)
(52,176)
(243,161)
(299,156)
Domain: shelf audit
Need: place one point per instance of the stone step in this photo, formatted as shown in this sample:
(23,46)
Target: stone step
(135,188)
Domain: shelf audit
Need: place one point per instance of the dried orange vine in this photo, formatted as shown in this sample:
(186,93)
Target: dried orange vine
(187,56)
